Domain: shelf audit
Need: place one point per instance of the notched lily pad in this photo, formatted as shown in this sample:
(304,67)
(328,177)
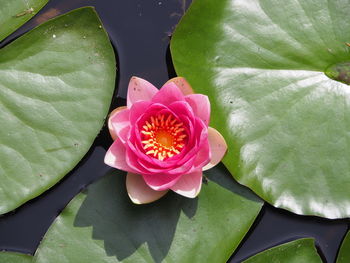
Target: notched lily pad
(56,85)
(262,63)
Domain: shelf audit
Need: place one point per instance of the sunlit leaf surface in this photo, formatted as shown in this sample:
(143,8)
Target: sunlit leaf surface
(287,124)
(56,84)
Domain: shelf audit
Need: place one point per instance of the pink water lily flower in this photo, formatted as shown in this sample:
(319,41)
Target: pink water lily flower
(162,139)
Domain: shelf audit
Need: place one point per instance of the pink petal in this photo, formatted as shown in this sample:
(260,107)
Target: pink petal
(137,110)
(134,163)
(118,119)
(115,156)
(203,155)
(140,89)
(124,134)
(200,105)
(145,110)
(181,108)
(139,192)
(160,182)
(182,84)
(188,185)
(168,94)
(218,147)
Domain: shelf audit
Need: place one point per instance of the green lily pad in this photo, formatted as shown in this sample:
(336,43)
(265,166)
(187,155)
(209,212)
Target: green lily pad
(262,64)
(15,13)
(301,250)
(56,84)
(344,252)
(12,257)
(102,225)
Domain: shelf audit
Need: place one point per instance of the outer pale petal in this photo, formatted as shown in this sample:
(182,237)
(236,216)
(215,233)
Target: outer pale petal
(218,147)
(168,94)
(200,105)
(139,192)
(188,185)
(182,84)
(160,182)
(115,156)
(118,119)
(140,89)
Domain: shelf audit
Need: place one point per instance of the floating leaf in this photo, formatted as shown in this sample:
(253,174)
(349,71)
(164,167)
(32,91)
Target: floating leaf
(344,253)
(262,64)
(56,84)
(11,257)
(15,13)
(301,250)
(102,225)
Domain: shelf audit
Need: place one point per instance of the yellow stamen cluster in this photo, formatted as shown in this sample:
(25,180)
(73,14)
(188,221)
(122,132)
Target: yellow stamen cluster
(163,136)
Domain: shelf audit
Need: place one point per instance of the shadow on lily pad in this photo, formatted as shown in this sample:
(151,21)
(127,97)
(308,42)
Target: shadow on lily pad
(174,228)
(221,175)
(124,226)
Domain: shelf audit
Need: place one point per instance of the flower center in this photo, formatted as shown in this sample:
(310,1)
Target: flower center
(163,136)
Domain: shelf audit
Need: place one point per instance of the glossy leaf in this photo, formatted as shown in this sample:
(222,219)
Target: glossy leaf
(103,225)
(301,250)
(15,13)
(11,257)
(344,253)
(286,123)
(56,84)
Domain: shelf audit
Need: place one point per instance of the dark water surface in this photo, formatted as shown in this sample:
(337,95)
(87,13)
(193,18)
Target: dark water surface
(140,31)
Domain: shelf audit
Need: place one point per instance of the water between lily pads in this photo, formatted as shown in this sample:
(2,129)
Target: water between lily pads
(140,30)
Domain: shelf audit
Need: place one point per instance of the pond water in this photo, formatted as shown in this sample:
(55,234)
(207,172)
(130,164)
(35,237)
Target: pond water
(140,32)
